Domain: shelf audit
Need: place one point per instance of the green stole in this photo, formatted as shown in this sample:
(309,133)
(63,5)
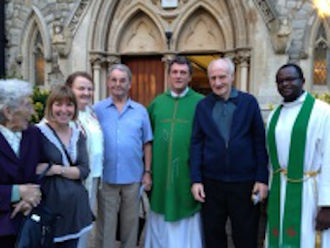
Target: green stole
(295,174)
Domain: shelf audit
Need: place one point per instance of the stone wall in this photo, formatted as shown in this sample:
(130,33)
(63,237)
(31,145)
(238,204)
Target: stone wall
(259,35)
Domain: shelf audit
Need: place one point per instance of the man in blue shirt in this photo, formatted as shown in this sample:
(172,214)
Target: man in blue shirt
(228,159)
(128,135)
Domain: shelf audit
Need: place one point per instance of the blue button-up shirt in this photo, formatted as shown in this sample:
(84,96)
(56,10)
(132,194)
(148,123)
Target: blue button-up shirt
(125,134)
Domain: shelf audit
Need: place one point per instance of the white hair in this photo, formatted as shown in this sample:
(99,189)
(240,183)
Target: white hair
(229,62)
(12,91)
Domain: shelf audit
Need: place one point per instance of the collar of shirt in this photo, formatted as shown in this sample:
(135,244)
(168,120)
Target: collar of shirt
(8,133)
(183,94)
(300,100)
(129,103)
(233,95)
(13,138)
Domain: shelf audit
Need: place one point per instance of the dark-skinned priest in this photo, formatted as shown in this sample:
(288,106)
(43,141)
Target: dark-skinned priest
(299,148)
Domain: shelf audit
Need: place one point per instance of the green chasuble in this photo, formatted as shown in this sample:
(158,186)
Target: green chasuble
(171,120)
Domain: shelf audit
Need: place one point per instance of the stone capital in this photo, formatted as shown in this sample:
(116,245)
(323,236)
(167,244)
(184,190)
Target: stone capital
(97,58)
(242,57)
(168,57)
(113,59)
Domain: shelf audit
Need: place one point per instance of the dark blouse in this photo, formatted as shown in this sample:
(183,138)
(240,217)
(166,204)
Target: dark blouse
(67,198)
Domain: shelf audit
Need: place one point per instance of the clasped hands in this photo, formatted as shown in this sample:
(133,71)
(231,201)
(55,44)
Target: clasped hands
(30,196)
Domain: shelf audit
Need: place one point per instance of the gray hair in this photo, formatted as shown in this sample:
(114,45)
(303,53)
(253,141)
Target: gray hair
(12,91)
(120,67)
(228,61)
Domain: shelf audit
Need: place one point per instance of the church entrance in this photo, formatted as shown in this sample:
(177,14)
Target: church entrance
(148,78)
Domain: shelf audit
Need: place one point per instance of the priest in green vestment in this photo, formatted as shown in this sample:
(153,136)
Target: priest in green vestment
(174,220)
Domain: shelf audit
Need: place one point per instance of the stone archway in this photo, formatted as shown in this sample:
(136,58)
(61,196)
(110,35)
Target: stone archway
(35,24)
(137,28)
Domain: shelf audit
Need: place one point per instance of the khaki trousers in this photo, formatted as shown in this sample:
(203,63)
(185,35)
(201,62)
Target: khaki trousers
(114,198)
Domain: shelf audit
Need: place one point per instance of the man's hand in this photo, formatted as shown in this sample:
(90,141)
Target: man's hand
(261,189)
(323,219)
(197,189)
(147,181)
(30,193)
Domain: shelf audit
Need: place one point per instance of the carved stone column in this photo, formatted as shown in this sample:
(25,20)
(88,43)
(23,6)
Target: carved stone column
(96,61)
(100,63)
(243,61)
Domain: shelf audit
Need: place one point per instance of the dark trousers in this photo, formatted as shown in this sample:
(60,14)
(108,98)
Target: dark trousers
(229,200)
(71,243)
(7,241)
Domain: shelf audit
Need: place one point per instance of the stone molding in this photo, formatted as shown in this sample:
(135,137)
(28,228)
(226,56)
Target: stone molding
(267,10)
(77,16)
(101,58)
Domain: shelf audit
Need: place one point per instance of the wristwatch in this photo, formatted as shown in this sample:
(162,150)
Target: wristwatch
(148,171)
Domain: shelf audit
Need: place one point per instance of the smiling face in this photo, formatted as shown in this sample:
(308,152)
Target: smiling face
(118,84)
(18,118)
(179,77)
(220,78)
(62,112)
(289,83)
(83,90)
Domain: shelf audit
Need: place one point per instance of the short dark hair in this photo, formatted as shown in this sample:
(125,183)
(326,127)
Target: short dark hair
(182,60)
(60,93)
(295,66)
(73,76)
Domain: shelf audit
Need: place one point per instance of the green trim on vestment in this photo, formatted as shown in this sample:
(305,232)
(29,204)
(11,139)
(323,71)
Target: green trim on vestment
(294,188)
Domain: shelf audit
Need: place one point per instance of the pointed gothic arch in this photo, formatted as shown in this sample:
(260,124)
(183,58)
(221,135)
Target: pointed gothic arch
(35,47)
(317,44)
(102,16)
(201,33)
(139,34)
(239,23)
(139,18)
(320,58)
(202,15)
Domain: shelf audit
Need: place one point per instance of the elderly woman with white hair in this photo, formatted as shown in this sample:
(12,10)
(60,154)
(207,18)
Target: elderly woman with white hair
(20,152)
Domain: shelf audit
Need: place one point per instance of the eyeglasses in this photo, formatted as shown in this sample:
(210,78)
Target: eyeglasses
(288,79)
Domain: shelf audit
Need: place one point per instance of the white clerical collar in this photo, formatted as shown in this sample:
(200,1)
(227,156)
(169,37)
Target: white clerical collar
(300,100)
(183,94)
